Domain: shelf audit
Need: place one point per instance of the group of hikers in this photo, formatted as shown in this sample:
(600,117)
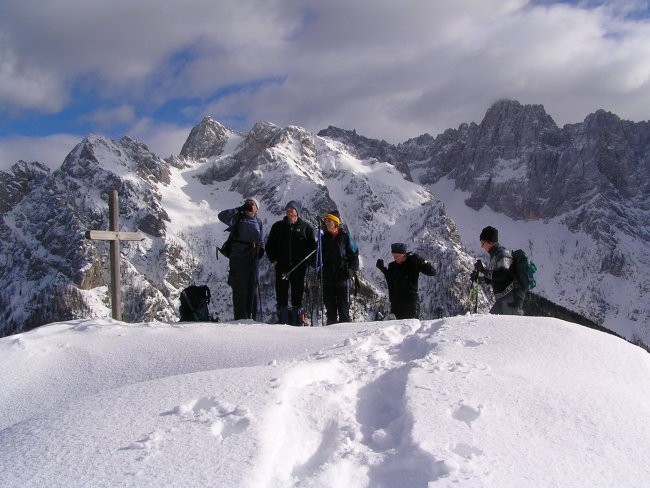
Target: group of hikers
(292,246)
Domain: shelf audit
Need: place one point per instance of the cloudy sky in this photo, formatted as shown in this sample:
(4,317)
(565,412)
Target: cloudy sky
(388,69)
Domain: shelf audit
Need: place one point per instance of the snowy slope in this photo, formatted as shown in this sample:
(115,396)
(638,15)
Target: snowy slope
(468,401)
(568,263)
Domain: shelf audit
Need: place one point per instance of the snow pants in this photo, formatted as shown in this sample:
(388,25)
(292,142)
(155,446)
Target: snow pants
(406,308)
(242,278)
(502,306)
(297,283)
(336,297)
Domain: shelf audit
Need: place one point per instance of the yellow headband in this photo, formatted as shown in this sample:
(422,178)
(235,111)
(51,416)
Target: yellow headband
(333,218)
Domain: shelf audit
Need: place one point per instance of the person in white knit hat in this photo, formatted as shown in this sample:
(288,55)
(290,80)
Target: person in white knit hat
(244,251)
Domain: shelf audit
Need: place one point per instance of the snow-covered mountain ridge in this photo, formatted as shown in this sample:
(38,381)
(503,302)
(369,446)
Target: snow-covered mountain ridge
(384,192)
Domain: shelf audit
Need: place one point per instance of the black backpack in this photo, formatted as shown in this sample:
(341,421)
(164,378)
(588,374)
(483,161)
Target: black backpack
(523,270)
(226,247)
(194,304)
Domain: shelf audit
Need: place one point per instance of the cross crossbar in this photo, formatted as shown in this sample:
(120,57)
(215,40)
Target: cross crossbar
(109,235)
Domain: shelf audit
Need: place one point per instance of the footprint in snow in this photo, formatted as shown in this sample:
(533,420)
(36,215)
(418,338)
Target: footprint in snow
(148,444)
(466,451)
(224,419)
(467,414)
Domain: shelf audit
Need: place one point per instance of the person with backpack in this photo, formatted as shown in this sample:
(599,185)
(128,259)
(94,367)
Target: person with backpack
(402,277)
(509,296)
(290,246)
(244,251)
(340,263)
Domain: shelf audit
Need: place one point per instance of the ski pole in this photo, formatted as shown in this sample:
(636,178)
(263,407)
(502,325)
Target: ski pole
(355,280)
(319,276)
(468,304)
(285,276)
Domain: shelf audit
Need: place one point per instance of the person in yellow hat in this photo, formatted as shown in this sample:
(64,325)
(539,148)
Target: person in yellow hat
(340,262)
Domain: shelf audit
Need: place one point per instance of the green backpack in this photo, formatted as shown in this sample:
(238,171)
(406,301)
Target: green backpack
(523,270)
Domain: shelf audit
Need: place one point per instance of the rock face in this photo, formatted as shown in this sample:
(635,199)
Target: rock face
(519,163)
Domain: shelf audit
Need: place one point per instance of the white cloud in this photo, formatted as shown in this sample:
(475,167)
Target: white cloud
(27,86)
(122,114)
(50,150)
(391,70)
(162,139)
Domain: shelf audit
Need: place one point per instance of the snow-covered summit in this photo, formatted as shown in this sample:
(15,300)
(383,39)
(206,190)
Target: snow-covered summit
(468,401)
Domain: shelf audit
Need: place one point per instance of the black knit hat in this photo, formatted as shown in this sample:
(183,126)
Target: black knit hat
(489,234)
(398,248)
(294,204)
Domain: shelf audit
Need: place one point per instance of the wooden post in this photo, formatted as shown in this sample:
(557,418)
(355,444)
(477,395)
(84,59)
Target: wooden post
(114,236)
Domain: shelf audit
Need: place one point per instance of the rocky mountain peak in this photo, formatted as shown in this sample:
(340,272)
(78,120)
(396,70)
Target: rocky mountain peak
(509,126)
(206,140)
(601,119)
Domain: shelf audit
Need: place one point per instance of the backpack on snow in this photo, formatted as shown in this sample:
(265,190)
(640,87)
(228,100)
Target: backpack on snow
(523,270)
(194,304)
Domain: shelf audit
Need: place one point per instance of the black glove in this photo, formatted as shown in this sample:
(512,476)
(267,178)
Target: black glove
(478,266)
(246,207)
(474,276)
(380,264)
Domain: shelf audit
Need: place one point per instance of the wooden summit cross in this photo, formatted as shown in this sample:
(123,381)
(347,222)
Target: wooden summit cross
(114,236)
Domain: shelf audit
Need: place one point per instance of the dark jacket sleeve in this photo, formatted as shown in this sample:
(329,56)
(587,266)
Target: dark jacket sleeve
(271,243)
(424,266)
(352,254)
(228,216)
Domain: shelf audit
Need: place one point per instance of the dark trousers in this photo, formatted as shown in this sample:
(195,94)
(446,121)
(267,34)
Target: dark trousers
(503,306)
(242,278)
(296,281)
(336,297)
(406,308)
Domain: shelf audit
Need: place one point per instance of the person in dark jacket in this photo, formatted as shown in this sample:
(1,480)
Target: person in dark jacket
(290,245)
(509,300)
(402,278)
(243,273)
(340,262)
